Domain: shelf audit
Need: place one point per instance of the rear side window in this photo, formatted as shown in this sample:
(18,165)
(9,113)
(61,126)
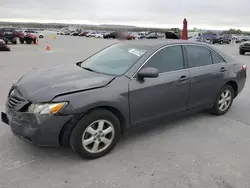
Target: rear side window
(168,59)
(198,56)
(217,58)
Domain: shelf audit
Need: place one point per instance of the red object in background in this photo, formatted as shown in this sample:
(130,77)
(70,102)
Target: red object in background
(184,35)
(130,37)
(30,35)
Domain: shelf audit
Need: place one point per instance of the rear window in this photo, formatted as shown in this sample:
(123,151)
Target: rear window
(198,56)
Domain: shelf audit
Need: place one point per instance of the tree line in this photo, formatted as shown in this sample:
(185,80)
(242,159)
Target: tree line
(235,31)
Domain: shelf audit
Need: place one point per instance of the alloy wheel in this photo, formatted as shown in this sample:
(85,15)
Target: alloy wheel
(225,100)
(98,136)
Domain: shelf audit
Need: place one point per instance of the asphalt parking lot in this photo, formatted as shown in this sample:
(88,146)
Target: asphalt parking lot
(199,151)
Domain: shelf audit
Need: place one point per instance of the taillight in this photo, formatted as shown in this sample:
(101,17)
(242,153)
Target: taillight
(244,67)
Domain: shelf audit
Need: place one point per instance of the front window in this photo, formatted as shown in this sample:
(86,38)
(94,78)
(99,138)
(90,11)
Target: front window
(168,59)
(116,59)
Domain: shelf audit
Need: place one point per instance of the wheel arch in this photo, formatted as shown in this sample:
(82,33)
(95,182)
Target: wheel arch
(67,128)
(234,85)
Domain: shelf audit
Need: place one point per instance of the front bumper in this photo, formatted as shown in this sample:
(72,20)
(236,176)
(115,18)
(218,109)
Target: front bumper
(245,48)
(39,129)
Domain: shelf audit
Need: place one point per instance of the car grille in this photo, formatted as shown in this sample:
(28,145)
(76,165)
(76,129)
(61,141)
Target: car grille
(247,44)
(15,99)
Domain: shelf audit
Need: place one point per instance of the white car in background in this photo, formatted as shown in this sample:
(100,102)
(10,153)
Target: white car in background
(99,35)
(36,33)
(94,34)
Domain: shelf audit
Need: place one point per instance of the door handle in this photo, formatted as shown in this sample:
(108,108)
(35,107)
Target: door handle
(223,69)
(183,78)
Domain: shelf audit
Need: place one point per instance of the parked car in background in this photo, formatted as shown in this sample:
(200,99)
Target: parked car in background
(3,46)
(152,36)
(136,35)
(207,37)
(33,32)
(83,33)
(113,35)
(28,39)
(99,35)
(67,32)
(126,36)
(194,38)
(63,31)
(75,33)
(10,35)
(130,36)
(94,34)
(171,35)
(125,86)
(142,35)
(10,38)
(244,47)
(221,40)
(241,39)
(59,33)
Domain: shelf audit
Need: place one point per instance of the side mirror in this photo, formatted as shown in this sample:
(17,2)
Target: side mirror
(148,73)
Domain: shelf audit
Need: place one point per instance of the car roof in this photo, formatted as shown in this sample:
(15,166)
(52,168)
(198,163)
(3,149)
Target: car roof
(158,43)
(161,42)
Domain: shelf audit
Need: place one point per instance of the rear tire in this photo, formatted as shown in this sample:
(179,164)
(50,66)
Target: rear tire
(28,41)
(89,130)
(223,101)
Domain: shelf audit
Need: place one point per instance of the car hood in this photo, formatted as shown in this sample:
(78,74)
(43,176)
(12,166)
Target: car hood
(246,42)
(43,85)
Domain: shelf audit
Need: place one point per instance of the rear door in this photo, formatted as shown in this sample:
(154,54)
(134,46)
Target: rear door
(207,73)
(167,94)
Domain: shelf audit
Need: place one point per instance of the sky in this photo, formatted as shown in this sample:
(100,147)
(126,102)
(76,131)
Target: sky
(206,14)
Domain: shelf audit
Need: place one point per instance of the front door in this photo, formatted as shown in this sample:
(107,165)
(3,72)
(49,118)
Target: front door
(154,98)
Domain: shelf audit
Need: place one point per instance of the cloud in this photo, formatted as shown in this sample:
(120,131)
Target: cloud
(210,14)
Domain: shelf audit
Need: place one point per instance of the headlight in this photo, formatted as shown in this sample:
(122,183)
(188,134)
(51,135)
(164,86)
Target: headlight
(46,108)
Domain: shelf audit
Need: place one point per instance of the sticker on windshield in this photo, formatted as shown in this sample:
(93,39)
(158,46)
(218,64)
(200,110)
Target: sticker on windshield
(137,52)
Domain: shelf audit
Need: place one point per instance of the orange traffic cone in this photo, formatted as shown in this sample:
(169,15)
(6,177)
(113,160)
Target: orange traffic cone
(48,47)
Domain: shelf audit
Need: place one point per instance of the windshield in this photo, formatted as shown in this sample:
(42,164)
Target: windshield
(116,59)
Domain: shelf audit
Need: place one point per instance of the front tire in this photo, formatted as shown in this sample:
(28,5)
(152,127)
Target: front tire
(242,52)
(22,41)
(223,101)
(96,134)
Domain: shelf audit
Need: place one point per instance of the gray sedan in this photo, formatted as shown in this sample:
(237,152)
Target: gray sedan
(90,104)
